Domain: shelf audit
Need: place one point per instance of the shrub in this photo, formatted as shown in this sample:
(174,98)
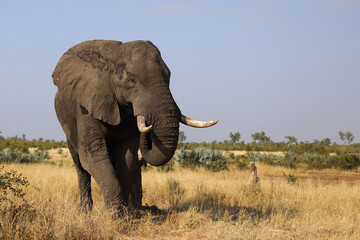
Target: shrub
(12,182)
(176,192)
(211,159)
(270,159)
(215,166)
(13,156)
(60,151)
(186,158)
(255,157)
(314,160)
(241,161)
(39,156)
(344,161)
(290,178)
(289,160)
(242,164)
(167,167)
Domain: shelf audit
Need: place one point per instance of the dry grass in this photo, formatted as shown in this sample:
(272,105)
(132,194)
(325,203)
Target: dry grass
(199,204)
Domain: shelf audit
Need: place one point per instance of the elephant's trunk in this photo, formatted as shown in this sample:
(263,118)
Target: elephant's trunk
(158,146)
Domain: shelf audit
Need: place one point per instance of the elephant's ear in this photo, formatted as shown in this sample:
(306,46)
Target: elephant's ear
(83,75)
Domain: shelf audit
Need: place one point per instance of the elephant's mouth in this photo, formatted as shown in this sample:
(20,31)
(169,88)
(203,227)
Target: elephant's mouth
(129,108)
(184,120)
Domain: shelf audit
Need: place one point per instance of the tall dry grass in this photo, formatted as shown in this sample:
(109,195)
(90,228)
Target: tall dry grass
(198,204)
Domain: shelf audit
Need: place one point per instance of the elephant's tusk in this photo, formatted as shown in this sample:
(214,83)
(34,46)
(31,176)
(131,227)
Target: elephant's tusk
(141,124)
(195,123)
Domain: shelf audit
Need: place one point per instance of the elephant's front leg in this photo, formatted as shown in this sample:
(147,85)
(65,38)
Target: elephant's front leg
(136,192)
(95,159)
(104,174)
(128,171)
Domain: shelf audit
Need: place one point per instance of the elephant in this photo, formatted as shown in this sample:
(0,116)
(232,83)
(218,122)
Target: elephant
(113,99)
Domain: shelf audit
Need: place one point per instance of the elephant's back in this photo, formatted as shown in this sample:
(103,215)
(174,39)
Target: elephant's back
(93,45)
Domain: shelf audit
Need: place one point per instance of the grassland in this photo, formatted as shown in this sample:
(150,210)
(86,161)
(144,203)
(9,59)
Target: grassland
(198,205)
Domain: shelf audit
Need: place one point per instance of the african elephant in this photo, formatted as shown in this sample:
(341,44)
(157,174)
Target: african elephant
(113,98)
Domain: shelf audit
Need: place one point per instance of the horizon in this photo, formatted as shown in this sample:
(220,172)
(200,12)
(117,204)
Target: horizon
(332,142)
(286,68)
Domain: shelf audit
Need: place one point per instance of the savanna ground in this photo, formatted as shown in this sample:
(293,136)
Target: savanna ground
(198,204)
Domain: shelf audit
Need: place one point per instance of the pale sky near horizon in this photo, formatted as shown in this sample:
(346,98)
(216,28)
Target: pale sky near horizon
(280,66)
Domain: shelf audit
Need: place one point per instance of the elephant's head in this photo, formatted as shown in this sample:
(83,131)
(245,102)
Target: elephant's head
(103,76)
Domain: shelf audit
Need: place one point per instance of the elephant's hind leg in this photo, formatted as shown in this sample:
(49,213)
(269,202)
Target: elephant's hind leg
(84,181)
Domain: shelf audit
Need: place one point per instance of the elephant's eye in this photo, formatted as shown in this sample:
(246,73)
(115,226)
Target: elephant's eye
(131,82)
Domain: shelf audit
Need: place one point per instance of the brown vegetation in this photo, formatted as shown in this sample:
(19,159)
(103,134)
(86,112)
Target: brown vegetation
(198,204)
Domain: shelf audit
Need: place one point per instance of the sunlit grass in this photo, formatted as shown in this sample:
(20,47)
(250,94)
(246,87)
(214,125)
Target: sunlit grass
(199,205)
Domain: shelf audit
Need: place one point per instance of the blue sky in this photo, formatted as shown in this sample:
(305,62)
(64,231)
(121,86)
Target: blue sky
(279,66)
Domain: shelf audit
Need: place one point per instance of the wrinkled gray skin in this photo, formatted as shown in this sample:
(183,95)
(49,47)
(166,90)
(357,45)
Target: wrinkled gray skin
(102,87)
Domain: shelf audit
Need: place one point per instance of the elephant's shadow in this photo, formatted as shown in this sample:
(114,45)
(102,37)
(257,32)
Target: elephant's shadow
(216,212)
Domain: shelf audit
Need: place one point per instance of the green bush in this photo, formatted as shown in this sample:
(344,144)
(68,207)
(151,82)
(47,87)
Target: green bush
(167,167)
(289,160)
(189,159)
(241,164)
(255,157)
(270,159)
(344,161)
(209,158)
(315,161)
(215,166)
(13,156)
(186,158)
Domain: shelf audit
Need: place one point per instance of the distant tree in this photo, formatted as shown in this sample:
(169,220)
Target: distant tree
(347,137)
(1,137)
(23,137)
(260,137)
(234,137)
(256,137)
(316,142)
(325,142)
(291,140)
(182,137)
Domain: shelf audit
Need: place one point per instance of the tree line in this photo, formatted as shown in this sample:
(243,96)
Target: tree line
(22,144)
(262,142)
